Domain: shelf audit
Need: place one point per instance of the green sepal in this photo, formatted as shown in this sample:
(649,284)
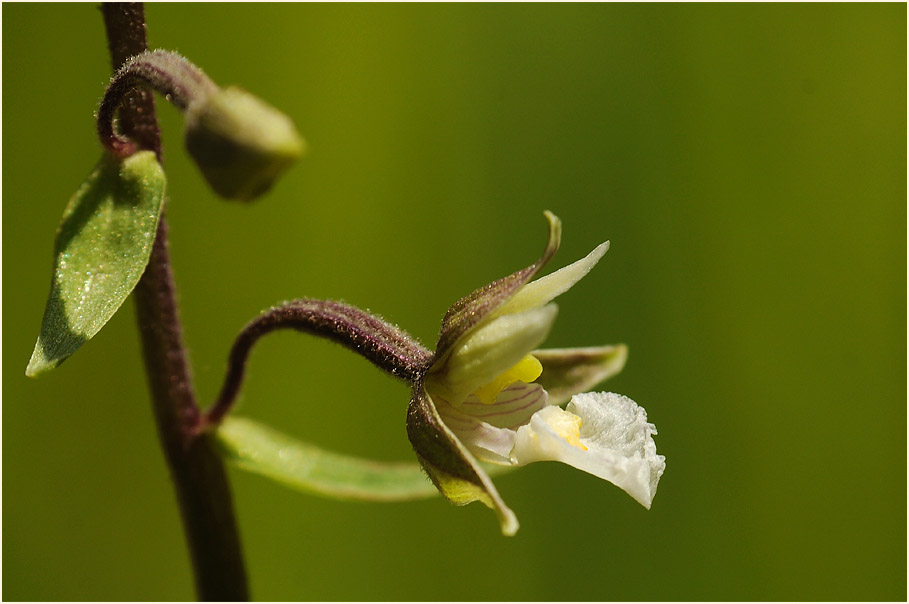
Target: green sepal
(102,246)
(568,371)
(261,450)
(468,312)
(450,466)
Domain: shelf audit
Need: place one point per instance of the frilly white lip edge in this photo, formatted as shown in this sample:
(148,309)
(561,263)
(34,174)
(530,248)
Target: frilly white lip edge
(601,433)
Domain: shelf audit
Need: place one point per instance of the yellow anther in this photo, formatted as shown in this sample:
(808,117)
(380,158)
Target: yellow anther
(527,370)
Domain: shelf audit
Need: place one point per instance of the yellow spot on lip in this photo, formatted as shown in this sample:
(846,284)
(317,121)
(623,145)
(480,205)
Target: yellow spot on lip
(568,426)
(526,370)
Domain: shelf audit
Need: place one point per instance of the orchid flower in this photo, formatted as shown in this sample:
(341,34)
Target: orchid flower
(488,395)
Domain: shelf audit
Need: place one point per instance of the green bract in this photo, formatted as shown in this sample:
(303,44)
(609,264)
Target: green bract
(259,449)
(305,467)
(102,247)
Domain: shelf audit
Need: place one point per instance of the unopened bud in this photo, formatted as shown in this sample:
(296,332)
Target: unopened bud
(240,143)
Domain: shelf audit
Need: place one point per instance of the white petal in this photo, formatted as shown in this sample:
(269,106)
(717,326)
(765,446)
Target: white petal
(488,351)
(537,293)
(488,431)
(614,442)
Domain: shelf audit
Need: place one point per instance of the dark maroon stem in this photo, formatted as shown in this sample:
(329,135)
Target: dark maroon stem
(168,74)
(383,344)
(199,477)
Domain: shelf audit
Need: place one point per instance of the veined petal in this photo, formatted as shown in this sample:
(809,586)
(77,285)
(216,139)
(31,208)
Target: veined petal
(471,310)
(488,351)
(486,442)
(568,371)
(448,463)
(545,289)
(512,408)
(488,431)
(602,433)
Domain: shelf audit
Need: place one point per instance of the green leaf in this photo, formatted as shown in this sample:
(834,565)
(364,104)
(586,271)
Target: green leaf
(103,244)
(305,467)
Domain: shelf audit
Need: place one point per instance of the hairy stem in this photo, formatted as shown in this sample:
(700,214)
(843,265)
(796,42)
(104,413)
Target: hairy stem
(383,344)
(167,73)
(199,477)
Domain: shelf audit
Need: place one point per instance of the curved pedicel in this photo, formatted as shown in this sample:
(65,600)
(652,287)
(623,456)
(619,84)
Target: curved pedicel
(381,343)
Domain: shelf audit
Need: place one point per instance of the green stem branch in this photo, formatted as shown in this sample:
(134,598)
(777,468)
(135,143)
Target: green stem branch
(198,473)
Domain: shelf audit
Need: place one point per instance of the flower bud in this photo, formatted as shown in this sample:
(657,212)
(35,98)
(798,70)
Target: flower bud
(240,143)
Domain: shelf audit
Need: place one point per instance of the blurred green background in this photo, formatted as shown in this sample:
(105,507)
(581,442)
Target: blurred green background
(748,164)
